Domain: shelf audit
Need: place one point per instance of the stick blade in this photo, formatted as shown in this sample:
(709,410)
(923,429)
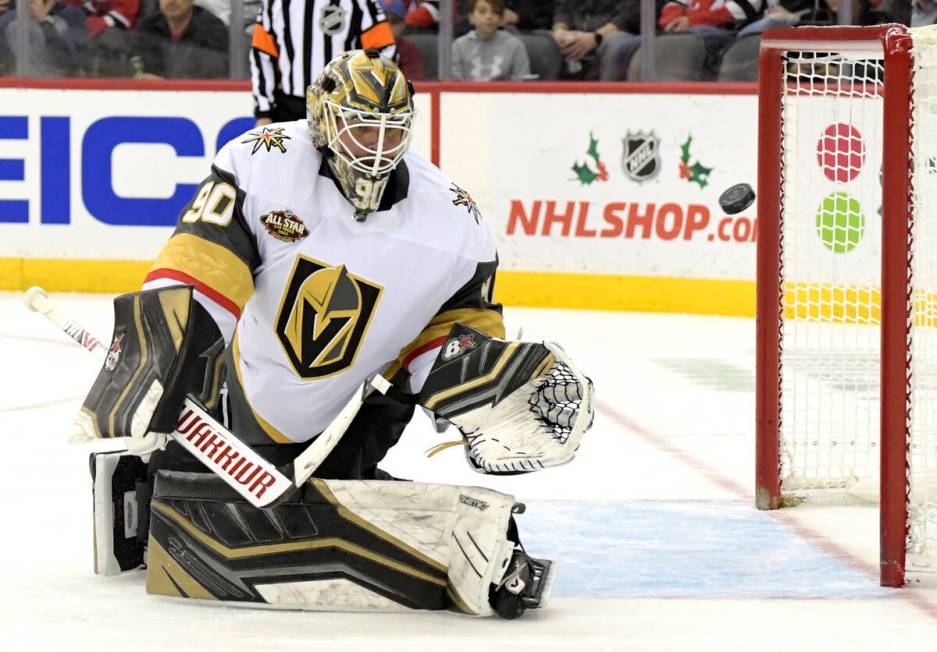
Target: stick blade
(35,298)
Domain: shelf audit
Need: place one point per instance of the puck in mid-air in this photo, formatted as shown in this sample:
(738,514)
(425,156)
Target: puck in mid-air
(737,198)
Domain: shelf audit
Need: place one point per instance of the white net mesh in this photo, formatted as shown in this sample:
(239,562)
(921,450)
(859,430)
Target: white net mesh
(922,506)
(831,253)
(832,112)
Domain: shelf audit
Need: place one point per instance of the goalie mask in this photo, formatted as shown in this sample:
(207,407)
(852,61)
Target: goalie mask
(360,110)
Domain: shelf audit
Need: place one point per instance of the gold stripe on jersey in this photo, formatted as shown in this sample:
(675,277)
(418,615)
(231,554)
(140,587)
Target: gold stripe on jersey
(210,263)
(268,428)
(279,548)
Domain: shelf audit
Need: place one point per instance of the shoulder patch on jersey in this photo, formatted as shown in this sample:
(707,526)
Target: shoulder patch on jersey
(267,138)
(284,225)
(462,198)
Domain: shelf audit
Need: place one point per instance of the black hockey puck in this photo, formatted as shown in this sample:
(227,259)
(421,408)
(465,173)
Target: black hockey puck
(737,198)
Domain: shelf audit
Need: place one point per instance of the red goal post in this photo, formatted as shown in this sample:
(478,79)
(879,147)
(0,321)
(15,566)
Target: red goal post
(847,300)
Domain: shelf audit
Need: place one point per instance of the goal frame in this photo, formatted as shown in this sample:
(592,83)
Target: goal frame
(895,42)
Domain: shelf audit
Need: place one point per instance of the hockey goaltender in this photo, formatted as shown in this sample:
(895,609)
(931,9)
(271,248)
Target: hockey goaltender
(316,261)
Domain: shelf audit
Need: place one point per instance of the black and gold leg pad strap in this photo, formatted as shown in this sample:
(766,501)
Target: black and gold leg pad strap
(165,346)
(335,545)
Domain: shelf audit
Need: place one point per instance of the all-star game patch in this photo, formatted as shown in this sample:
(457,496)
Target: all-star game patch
(267,138)
(462,198)
(284,225)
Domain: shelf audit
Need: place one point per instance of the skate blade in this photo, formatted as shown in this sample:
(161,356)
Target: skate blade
(543,577)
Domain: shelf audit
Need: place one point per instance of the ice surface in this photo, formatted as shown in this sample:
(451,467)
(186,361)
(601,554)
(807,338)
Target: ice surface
(659,545)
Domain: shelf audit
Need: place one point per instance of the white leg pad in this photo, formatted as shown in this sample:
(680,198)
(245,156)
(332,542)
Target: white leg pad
(463,529)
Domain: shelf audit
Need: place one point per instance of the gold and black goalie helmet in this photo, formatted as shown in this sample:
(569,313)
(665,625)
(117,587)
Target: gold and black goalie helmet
(360,112)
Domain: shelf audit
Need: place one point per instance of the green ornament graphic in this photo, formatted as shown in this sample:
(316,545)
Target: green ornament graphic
(840,222)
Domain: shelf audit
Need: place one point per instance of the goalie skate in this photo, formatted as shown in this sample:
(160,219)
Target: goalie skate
(527,584)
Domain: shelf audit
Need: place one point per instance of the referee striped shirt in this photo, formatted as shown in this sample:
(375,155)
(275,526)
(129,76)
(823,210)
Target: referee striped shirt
(294,40)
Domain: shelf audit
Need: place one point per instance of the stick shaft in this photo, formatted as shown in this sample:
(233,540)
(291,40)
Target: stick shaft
(37,300)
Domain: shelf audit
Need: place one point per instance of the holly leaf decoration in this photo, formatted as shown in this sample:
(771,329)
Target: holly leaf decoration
(593,148)
(699,174)
(685,150)
(584,174)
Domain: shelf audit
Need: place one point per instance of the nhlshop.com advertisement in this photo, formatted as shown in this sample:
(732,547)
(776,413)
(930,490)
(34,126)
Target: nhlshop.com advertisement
(610,184)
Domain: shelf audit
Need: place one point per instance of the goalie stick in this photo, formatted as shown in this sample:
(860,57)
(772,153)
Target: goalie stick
(252,476)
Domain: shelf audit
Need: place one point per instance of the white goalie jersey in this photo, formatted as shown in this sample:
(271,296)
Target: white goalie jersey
(310,301)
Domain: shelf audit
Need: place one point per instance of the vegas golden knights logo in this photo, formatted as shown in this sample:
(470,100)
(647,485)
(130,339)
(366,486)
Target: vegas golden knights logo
(323,317)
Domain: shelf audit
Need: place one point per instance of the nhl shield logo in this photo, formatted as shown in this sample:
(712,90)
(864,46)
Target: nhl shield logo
(640,158)
(331,20)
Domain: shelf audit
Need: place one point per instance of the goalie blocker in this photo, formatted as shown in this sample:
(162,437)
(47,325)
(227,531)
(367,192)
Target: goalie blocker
(165,347)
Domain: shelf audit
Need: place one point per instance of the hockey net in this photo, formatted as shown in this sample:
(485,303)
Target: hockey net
(847,279)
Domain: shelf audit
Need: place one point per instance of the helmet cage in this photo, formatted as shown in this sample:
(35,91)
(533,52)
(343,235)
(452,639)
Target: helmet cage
(344,126)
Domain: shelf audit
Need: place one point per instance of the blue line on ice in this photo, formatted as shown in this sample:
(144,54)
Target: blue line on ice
(692,549)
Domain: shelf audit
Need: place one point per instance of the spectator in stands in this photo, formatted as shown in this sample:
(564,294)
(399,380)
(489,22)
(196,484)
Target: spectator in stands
(588,33)
(714,20)
(488,53)
(923,12)
(531,20)
(103,14)
(776,15)
(182,41)
(408,57)
(422,14)
(787,13)
(109,25)
(56,36)
(222,9)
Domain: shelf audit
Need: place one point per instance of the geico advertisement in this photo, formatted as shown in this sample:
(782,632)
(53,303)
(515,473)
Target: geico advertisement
(614,184)
(105,173)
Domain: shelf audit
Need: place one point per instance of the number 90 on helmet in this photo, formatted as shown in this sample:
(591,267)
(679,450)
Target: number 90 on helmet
(360,112)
